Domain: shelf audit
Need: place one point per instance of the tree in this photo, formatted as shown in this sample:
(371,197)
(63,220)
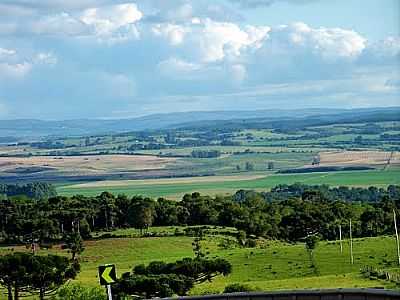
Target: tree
(141,286)
(197,243)
(358,139)
(160,279)
(87,141)
(241,237)
(249,166)
(271,165)
(141,213)
(311,244)
(316,160)
(50,273)
(74,242)
(237,288)
(30,274)
(14,273)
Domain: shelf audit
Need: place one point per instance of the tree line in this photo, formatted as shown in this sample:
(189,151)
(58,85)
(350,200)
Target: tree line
(287,212)
(36,190)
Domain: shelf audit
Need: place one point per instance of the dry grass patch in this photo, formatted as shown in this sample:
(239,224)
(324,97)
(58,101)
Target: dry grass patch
(359,158)
(96,164)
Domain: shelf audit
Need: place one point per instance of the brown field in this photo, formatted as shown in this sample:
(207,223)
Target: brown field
(82,165)
(359,158)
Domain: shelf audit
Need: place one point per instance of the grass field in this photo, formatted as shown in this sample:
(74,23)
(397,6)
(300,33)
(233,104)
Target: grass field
(271,266)
(175,190)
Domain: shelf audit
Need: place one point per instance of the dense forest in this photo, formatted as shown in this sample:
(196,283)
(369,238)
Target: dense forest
(36,190)
(287,212)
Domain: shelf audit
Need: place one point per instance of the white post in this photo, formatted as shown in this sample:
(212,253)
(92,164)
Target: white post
(397,235)
(351,245)
(340,238)
(109,294)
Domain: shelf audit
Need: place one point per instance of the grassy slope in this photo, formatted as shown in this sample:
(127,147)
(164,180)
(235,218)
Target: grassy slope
(275,266)
(356,178)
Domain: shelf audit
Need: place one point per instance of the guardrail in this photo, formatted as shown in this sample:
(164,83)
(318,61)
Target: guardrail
(334,294)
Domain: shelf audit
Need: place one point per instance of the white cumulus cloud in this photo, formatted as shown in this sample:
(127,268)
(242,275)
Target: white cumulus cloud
(113,23)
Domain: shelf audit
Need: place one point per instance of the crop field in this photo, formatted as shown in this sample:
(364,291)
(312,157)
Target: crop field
(360,158)
(269,266)
(175,190)
(82,164)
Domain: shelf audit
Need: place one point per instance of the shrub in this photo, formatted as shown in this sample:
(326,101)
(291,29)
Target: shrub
(77,292)
(237,288)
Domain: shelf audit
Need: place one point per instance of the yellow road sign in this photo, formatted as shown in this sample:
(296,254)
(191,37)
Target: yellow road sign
(107,274)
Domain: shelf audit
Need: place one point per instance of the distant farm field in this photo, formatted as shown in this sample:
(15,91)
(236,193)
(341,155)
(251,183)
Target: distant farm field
(359,158)
(175,190)
(81,165)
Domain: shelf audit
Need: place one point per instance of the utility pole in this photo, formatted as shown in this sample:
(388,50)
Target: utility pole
(397,235)
(351,245)
(340,238)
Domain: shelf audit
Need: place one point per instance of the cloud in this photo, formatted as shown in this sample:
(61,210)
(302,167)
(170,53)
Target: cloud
(384,52)
(46,59)
(7,10)
(326,43)
(13,66)
(173,33)
(261,3)
(14,71)
(108,19)
(97,57)
(108,23)
(7,53)
(59,5)
(61,24)
(177,68)
(205,40)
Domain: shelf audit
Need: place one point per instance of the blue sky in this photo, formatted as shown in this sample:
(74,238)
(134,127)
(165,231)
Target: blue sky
(116,59)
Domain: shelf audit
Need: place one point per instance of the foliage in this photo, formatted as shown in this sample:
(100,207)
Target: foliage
(36,190)
(241,238)
(205,153)
(237,288)
(197,249)
(30,274)
(311,242)
(287,212)
(78,292)
(49,273)
(74,243)
(160,279)
(249,166)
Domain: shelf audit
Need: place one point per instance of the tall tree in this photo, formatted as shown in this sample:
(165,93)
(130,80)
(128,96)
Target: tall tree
(49,273)
(74,243)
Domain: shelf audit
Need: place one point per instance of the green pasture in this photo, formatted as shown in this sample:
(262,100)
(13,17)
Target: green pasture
(176,190)
(270,266)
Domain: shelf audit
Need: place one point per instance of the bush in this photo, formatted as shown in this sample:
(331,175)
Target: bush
(251,243)
(77,292)
(237,288)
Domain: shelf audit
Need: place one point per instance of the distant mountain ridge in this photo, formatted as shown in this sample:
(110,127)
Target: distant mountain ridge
(38,128)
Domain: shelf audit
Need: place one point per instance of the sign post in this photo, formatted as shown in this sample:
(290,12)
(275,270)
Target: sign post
(107,276)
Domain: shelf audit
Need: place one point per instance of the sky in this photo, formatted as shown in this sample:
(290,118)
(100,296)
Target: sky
(119,59)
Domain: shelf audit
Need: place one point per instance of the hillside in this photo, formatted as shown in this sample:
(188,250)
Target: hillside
(30,128)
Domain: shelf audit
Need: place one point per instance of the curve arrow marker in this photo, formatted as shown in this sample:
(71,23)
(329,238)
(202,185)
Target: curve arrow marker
(106,275)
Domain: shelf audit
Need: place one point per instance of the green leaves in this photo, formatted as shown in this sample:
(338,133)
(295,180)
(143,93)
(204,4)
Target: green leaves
(160,279)
(32,274)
